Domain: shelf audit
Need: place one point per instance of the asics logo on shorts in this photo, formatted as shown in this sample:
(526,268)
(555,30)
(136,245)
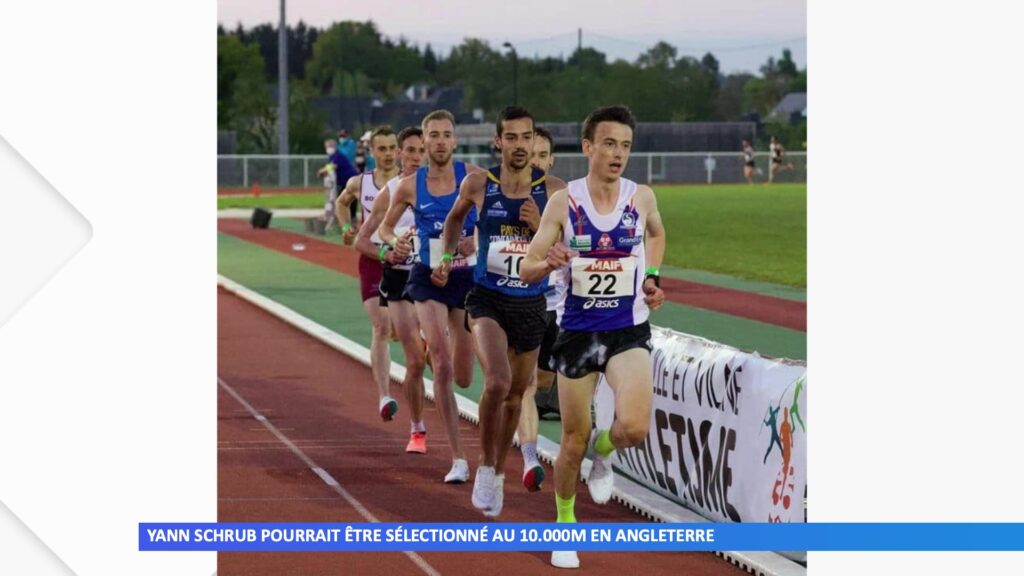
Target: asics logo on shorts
(511,282)
(603,303)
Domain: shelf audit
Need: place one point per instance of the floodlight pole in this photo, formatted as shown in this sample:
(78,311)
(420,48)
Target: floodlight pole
(515,73)
(282,98)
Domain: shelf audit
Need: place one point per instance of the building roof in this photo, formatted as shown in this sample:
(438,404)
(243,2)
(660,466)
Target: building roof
(794,102)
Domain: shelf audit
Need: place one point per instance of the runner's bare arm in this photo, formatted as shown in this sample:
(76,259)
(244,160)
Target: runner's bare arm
(470,194)
(347,197)
(654,229)
(404,197)
(546,252)
(380,207)
(654,244)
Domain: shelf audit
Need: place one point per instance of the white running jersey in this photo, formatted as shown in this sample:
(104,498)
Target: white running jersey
(368,192)
(405,223)
(556,290)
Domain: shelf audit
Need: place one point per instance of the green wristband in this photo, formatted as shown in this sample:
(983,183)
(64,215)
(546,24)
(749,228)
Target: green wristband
(384,252)
(651,271)
(345,228)
(446,257)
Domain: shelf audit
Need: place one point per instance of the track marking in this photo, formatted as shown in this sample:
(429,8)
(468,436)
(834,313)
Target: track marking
(323,474)
(281,499)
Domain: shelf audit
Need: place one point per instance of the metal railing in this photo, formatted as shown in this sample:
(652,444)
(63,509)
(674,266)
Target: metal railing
(237,171)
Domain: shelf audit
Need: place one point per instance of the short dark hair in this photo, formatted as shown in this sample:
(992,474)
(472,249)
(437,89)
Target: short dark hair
(545,134)
(408,132)
(383,130)
(620,114)
(511,113)
(438,115)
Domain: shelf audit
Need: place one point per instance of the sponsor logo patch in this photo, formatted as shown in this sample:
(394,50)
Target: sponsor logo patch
(595,303)
(580,242)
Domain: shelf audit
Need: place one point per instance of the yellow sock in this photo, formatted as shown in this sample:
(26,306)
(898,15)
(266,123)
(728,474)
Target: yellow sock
(565,508)
(603,444)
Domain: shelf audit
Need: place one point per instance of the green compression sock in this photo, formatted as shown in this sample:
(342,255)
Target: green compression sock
(566,508)
(604,445)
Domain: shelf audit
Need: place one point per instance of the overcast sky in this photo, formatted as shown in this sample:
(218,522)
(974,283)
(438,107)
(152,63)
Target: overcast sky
(742,34)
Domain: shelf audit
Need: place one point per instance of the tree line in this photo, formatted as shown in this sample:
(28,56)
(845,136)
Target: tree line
(355,59)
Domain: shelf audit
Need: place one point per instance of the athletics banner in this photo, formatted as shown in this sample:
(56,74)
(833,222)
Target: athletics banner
(728,431)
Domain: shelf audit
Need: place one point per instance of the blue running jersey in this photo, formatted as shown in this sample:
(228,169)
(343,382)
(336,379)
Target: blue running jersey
(431,212)
(503,238)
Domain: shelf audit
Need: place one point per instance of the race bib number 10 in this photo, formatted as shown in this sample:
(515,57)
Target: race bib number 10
(504,258)
(603,278)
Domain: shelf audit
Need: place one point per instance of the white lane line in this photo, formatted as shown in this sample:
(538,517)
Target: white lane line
(327,478)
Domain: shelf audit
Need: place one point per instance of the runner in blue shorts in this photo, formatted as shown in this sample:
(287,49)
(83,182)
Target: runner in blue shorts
(431,192)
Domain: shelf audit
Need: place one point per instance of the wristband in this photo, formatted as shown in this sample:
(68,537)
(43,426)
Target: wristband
(345,228)
(393,242)
(652,271)
(446,257)
(383,254)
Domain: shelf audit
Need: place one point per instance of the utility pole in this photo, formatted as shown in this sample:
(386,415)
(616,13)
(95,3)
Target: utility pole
(515,73)
(282,98)
(579,101)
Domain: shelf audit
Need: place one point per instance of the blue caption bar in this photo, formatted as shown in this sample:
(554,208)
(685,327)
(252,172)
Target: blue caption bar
(324,537)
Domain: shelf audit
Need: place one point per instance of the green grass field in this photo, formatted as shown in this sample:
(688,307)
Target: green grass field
(752,232)
(303,200)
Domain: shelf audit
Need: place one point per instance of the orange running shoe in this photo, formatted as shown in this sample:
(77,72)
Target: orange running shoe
(417,443)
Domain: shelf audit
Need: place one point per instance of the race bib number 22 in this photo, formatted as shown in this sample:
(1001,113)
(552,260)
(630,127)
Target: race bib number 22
(603,278)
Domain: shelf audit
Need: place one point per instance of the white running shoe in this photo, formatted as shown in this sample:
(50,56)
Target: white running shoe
(565,559)
(459,473)
(499,496)
(533,475)
(483,488)
(388,408)
(601,479)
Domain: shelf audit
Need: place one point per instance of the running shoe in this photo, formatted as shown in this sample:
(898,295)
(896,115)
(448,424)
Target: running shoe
(388,408)
(499,497)
(417,443)
(533,475)
(459,473)
(483,488)
(565,559)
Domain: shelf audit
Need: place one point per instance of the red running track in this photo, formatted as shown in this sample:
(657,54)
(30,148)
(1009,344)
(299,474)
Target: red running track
(750,305)
(325,404)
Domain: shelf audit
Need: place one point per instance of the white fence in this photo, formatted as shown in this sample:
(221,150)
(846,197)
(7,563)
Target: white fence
(234,171)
